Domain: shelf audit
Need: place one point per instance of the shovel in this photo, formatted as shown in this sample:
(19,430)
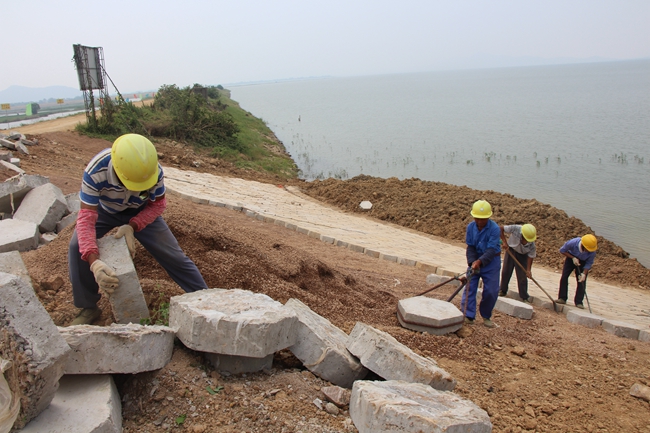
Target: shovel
(524,269)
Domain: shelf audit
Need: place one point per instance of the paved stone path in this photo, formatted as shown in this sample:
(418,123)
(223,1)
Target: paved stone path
(290,208)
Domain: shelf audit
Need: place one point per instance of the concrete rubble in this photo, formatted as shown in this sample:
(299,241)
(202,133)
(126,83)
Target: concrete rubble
(514,308)
(120,349)
(397,406)
(44,205)
(381,353)
(31,342)
(430,315)
(320,346)
(16,235)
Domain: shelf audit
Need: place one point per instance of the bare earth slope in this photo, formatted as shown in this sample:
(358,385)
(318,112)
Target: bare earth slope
(543,375)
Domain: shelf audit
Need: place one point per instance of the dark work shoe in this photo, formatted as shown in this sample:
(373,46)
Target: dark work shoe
(489,324)
(560,301)
(86,316)
(469,321)
(503,293)
(528,300)
(581,306)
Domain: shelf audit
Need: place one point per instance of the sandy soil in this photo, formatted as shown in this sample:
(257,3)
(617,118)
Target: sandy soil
(542,375)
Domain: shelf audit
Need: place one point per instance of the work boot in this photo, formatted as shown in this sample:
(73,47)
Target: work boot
(469,321)
(560,301)
(87,316)
(489,324)
(581,306)
(528,300)
(503,293)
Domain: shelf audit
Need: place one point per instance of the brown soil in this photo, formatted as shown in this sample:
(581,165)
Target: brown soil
(543,375)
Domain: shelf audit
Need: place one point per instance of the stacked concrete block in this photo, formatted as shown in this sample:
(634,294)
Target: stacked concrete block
(390,359)
(232,322)
(584,318)
(31,342)
(12,191)
(397,406)
(433,316)
(44,205)
(12,263)
(128,303)
(514,308)
(121,349)
(83,403)
(18,235)
(621,329)
(320,346)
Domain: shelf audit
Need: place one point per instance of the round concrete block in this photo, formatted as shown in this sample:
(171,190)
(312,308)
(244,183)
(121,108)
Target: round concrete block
(430,315)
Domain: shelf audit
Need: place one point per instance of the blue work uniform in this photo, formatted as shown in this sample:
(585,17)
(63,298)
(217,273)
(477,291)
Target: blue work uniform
(586,258)
(116,205)
(483,245)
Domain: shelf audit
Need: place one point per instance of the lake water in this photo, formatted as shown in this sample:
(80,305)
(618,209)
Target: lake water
(573,136)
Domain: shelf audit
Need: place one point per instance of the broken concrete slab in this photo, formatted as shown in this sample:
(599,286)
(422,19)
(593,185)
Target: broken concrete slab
(434,279)
(66,221)
(381,353)
(430,315)
(12,263)
(117,349)
(397,406)
(232,322)
(644,335)
(11,145)
(239,364)
(12,191)
(5,155)
(337,395)
(73,201)
(83,403)
(44,205)
(16,235)
(584,318)
(514,308)
(621,329)
(20,147)
(31,342)
(320,346)
(128,303)
(15,161)
(11,167)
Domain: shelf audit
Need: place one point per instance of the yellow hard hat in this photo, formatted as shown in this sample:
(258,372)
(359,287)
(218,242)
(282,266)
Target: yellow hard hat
(590,243)
(135,161)
(481,209)
(529,232)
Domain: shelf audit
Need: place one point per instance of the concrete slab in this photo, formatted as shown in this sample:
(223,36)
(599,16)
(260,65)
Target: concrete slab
(320,346)
(120,349)
(514,308)
(66,221)
(44,205)
(5,155)
(73,202)
(644,335)
(584,318)
(232,322)
(621,329)
(88,404)
(31,342)
(12,263)
(390,359)
(430,315)
(435,279)
(128,303)
(12,191)
(397,406)
(12,168)
(8,144)
(18,235)
(239,364)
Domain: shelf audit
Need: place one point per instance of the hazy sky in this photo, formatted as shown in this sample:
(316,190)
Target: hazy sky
(150,43)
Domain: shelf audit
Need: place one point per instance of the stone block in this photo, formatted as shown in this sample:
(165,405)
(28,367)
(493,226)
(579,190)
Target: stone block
(73,202)
(381,353)
(365,205)
(584,318)
(337,395)
(388,257)
(20,147)
(5,155)
(83,403)
(371,253)
(239,364)
(313,234)
(356,248)
(340,243)
(406,262)
(397,406)
(66,221)
(232,322)
(320,346)
(434,279)
(8,144)
(15,161)
(327,239)
(644,335)
(44,205)
(12,168)
(430,315)
(31,342)
(16,235)
(426,267)
(621,329)
(12,191)
(128,303)
(514,308)
(117,349)
(12,263)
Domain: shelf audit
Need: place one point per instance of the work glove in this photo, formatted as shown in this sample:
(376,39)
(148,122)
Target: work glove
(582,277)
(576,261)
(105,276)
(126,231)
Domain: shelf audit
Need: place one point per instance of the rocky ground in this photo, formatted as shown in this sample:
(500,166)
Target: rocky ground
(543,375)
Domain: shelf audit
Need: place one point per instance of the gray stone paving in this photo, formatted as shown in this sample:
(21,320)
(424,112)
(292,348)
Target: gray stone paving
(301,213)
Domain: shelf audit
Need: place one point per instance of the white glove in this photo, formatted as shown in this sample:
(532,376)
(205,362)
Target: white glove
(576,261)
(126,231)
(105,276)
(582,277)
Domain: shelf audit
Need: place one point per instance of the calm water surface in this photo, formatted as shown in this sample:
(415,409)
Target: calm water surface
(574,136)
